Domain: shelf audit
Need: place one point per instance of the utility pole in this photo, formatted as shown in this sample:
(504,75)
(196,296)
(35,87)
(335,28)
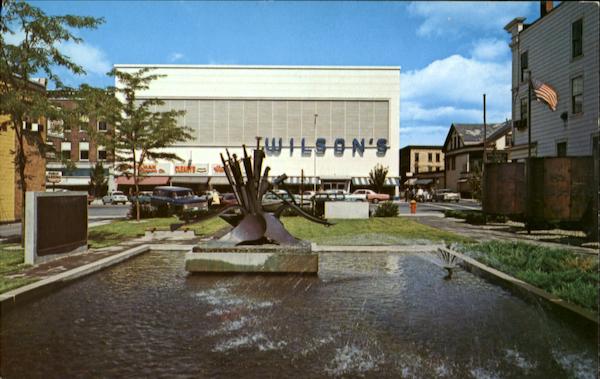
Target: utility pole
(483,189)
(528,165)
(315,156)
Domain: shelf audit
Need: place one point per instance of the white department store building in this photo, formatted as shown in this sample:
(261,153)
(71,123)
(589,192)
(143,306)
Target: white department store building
(333,124)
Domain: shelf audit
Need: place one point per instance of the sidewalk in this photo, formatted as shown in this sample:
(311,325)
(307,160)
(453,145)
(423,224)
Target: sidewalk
(493,231)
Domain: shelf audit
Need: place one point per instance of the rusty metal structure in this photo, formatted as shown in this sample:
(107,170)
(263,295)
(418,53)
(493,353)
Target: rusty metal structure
(252,225)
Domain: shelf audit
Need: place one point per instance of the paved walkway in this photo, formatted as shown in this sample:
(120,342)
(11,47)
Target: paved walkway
(505,232)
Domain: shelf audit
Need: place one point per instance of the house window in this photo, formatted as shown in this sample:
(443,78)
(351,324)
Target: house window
(523,116)
(577,94)
(561,149)
(102,126)
(101,153)
(416,157)
(65,150)
(524,64)
(577,38)
(437,157)
(429,157)
(84,151)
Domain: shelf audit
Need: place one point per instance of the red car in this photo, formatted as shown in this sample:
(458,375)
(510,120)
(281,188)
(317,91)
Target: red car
(228,199)
(371,195)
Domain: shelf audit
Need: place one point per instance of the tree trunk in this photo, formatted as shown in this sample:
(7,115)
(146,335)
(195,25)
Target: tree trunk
(20,161)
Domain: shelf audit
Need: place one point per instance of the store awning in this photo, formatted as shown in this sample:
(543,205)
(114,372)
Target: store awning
(392,182)
(145,181)
(307,180)
(410,182)
(219,180)
(423,182)
(190,179)
(365,181)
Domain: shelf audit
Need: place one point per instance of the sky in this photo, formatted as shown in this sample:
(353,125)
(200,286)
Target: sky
(450,53)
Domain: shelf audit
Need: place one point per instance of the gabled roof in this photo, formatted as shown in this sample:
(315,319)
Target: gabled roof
(472,134)
(499,130)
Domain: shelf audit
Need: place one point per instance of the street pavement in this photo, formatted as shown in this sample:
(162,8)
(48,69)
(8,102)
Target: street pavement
(99,212)
(438,208)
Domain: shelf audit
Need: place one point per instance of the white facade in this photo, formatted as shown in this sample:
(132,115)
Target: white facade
(230,105)
(548,43)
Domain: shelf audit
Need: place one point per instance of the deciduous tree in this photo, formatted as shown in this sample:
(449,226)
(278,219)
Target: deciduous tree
(37,52)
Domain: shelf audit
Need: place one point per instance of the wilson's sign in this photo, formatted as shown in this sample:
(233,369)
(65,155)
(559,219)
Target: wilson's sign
(275,145)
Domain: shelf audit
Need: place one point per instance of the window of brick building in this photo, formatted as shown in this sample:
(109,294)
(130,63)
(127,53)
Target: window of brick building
(429,157)
(84,151)
(416,157)
(437,157)
(101,153)
(102,126)
(65,150)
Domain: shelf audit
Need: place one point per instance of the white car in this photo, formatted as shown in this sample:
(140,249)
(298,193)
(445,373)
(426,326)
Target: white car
(446,195)
(115,197)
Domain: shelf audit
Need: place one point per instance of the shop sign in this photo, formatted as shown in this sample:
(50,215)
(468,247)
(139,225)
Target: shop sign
(148,169)
(274,146)
(217,169)
(53,176)
(196,168)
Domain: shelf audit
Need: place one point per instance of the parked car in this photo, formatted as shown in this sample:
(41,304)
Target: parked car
(144,197)
(446,194)
(308,194)
(178,200)
(228,199)
(323,196)
(370,195)
(115,197)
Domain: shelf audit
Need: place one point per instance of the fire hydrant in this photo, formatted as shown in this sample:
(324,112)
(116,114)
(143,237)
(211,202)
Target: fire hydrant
(413,207)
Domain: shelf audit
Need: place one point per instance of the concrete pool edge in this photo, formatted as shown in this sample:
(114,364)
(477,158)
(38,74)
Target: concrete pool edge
(22,294)
(513,283)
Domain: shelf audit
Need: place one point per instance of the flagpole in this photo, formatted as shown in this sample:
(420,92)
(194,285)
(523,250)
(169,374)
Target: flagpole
(528,165)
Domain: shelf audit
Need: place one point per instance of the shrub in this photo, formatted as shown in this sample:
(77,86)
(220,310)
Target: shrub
(386,209)
(146,211)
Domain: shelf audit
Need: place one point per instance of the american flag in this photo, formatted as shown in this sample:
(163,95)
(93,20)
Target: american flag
(545,93)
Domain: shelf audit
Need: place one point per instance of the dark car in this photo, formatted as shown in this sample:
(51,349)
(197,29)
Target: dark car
(228,199)
(144,197)
(178,200)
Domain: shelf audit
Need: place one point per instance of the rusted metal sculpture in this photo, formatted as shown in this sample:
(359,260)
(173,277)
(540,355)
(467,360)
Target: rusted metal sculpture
(252,224)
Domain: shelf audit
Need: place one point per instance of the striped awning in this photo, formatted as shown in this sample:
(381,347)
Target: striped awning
(296,180)
(366,181)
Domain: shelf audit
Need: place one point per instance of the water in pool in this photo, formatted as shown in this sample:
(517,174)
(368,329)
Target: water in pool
(365,315)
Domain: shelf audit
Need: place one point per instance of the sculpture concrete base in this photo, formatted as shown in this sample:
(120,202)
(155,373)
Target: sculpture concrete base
(216,258)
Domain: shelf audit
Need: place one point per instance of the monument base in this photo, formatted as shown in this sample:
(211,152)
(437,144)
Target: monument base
(217,258)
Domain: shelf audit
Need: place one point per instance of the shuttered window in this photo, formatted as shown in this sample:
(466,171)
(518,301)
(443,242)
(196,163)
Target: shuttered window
(577,38)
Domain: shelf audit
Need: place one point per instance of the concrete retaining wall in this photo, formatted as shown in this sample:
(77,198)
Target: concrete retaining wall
(346,209)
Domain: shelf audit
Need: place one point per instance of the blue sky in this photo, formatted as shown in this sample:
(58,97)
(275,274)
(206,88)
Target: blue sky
(450,52)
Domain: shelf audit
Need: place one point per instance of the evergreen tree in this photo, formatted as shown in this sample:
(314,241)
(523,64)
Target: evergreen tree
(378,175)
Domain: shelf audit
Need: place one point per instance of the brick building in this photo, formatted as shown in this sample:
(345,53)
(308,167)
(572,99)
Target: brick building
(10,188)
(422,165)
(74,144)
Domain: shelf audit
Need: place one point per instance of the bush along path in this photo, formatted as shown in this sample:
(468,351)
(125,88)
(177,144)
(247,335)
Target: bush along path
(570,276)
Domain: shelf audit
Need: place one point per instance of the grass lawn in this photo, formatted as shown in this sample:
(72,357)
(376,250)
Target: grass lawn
(365,232)
(11,262)
(115,232)
(572,277)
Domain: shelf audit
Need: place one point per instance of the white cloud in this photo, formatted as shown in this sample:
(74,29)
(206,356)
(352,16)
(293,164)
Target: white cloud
(457,79)
(175,57)
(490,49)
(416,112)
(455,18)
(92,59)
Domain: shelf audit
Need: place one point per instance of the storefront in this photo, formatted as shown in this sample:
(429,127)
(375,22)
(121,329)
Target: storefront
(321,126)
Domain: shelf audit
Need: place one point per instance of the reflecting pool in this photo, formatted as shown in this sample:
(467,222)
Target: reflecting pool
(369,315)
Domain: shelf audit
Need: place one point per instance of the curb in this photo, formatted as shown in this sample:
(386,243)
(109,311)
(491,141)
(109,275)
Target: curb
(375,249)
(522,287)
